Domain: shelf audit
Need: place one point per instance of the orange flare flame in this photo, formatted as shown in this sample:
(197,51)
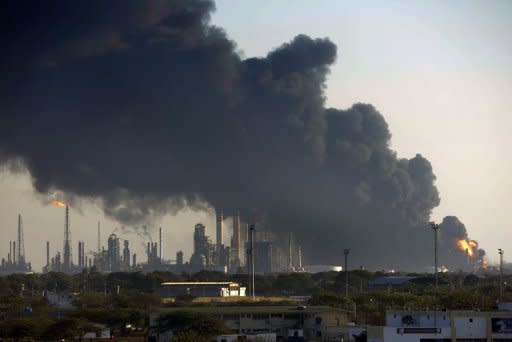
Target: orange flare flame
(467,246)
(58,203)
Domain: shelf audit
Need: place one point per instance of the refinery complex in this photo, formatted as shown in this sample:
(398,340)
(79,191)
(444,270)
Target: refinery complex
(270,254)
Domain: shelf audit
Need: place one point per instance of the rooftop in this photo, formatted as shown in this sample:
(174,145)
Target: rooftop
(252,309)
(192,283)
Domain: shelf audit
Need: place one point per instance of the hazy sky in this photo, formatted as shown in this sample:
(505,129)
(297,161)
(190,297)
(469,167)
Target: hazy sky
(440,72)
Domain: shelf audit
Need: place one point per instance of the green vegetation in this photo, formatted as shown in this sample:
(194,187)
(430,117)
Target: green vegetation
(182,322)
(26,313)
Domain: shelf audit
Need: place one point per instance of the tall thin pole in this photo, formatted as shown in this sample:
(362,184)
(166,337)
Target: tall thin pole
(21,243)
(290,255)
(345,252)
(251,241)
(98,246)
(435,228)
(501,251)
(160,246)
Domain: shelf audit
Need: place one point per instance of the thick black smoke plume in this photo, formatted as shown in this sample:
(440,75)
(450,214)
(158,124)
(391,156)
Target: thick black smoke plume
(452,253)
(147,107)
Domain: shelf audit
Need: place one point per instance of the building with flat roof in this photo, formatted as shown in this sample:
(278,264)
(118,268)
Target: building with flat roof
(312,322)
(456,325)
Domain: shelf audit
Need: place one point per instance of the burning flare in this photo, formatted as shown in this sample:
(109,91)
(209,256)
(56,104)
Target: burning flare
(58,203)
(467,246)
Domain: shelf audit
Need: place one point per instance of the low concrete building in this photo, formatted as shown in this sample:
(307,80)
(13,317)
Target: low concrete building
(201,289)
(312,322)
(426,326)
(268,337)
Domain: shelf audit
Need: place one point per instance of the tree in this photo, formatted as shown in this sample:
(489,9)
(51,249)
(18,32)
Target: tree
(184,321)
(362,337)
(189,336)
(67,328)
(21,328)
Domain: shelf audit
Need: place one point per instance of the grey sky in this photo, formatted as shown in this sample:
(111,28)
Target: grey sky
(439,71)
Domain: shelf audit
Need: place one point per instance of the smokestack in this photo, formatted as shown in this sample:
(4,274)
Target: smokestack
(14,252)
(300,259)
(67,243)
(126,255)
(9,256)
(99,238)
(21,245)
(235,242)
(47,255)
(290,257)
(220,219)
(79,254)
(134,261)
(148,251)
(179,258)
(160,245)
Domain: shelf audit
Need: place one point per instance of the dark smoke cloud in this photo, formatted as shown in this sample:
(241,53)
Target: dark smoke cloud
(148,108)
(451,230)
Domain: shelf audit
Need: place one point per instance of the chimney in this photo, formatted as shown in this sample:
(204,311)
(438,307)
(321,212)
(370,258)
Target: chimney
(160,246)
(48,255)
(220,219)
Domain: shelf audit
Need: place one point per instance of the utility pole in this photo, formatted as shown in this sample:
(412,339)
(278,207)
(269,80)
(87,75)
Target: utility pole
(501,251)
(435,228)
(345,252)
(251,255)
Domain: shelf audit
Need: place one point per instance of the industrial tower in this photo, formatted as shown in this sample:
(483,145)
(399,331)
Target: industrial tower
(20,253)
(290,254)
(220,219)
(67,243)
(235,241)
(98,247)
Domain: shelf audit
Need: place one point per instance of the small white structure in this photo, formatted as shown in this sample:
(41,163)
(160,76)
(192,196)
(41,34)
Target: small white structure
(62,300)
(266,337)
(202,289)
(322,268)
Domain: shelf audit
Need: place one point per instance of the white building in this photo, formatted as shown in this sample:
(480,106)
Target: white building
(427,326)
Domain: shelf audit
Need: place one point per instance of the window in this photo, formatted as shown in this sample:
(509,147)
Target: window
(259,316)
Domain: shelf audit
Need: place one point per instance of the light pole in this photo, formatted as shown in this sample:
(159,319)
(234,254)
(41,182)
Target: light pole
(345,253)
(251,255)
(435,228)
(500,252)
